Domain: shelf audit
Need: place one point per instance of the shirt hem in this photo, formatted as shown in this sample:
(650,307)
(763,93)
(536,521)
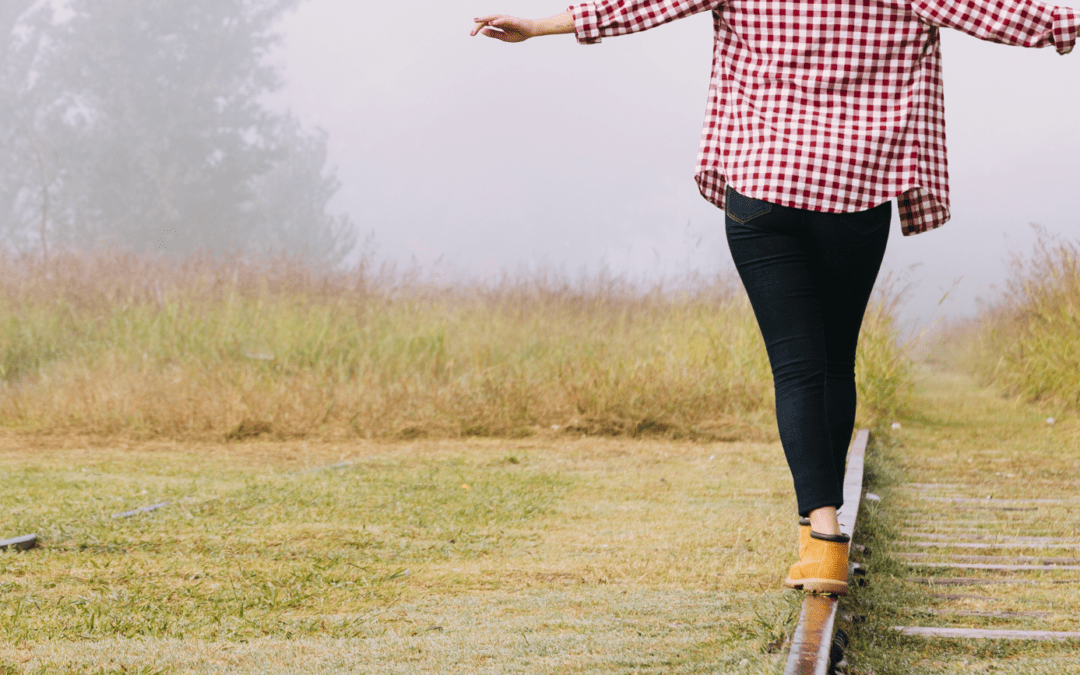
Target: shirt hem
(921,210)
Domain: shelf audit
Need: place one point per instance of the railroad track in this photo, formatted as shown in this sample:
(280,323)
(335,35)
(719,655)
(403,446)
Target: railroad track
(1013,554)
(816,647)
(990,568)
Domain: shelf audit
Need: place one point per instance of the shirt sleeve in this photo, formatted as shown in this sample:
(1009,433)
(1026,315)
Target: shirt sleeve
(1022,23)
(608,18)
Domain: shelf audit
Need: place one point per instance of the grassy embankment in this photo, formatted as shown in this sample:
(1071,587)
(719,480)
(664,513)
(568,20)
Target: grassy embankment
(1026,344)
(658,548)
(987,395)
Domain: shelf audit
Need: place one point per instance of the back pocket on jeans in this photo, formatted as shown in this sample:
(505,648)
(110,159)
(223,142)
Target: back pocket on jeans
(743,209)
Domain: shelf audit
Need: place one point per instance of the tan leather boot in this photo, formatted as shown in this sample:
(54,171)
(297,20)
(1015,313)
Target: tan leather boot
(804,535)
(823,566)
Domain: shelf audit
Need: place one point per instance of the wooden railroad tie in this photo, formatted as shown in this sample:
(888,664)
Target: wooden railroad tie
(979,581)
(1002,500)
(988,615)
(994,567)
(1013,539)
(1034,560)
(985,634)
(989,545)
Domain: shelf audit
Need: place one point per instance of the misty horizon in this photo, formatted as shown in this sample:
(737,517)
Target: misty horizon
(466,159)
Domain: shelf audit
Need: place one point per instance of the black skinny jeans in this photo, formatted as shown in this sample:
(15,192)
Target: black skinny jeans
(809,276)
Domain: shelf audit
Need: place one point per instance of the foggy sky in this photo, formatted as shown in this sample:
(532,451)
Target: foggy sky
(468,156)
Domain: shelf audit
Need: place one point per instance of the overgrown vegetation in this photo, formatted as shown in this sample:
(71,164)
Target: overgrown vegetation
(556,553)
(117,343)
(883,366)
(1026,343)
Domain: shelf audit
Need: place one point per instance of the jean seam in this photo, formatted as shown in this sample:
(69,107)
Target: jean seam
(864,232)
(759,212)
(765,207)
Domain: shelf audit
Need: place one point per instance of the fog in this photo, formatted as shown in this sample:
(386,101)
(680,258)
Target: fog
(470,156)
(175,127)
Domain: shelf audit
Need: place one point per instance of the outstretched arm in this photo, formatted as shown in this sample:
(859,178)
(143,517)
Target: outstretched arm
(592,21)
(1022,23)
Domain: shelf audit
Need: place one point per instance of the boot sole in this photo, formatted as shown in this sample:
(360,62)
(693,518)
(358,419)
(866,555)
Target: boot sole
(828,586)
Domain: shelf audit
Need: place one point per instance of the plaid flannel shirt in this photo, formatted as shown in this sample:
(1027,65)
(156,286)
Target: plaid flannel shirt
(832,105)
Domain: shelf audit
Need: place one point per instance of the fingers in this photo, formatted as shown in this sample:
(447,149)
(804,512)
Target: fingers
(497,34)
(488,31)
(502,27)
(483,21)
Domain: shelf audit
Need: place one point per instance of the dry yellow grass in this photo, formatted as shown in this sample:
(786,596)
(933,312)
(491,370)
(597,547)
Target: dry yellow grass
(113,343)
(1027,342)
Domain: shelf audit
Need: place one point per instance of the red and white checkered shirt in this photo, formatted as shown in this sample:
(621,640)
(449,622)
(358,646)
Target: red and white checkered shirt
(832,105)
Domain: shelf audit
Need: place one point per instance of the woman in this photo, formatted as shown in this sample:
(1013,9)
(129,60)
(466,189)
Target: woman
(820,112)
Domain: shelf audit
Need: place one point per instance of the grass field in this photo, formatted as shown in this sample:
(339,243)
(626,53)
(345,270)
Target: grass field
(542,476)
(582,555)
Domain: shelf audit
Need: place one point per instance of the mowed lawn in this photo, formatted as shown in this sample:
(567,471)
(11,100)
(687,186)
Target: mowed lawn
(553,554)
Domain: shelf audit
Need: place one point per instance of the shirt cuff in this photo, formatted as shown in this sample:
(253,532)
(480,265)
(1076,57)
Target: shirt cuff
(586,23)
(1066,23)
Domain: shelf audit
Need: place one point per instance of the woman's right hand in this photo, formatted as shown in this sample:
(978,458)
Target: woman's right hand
(505,28)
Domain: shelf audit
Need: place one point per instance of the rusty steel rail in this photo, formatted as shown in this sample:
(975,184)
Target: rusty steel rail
(30,541)
(24,543)
(812,643)
(142,509)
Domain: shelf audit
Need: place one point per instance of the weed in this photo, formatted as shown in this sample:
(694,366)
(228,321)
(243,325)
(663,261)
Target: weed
(775,619)
(1025,343)
(116,344)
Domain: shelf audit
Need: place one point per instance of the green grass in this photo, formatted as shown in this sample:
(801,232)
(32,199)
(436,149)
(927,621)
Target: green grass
(251,553)
(437,556)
